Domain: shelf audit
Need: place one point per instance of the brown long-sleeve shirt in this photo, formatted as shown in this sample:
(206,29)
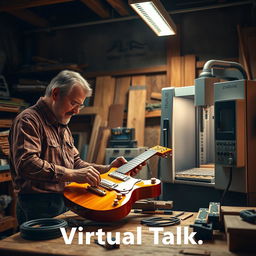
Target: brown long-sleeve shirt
(40,150)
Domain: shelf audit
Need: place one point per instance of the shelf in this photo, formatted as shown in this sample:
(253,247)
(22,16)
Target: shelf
(7,222)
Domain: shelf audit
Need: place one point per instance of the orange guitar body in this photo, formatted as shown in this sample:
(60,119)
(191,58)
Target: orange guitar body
(102,208)
(115,203)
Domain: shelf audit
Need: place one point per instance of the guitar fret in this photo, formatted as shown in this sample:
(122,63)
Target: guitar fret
(136,161)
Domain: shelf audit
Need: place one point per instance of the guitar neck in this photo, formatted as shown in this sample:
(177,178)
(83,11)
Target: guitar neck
(126,168)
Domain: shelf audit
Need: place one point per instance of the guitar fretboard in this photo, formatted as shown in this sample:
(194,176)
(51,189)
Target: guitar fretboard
(124,169)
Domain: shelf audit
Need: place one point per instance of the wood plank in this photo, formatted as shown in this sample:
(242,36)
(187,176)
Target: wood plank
(189,70)
(30,17)
(97,144)
(93,139)
(138,80)
(176,71)
(174,60)
(122,88)
(120,6)
(104,96)
(7,5)
(101,150)
(116,115)
(136,112)
(98,7)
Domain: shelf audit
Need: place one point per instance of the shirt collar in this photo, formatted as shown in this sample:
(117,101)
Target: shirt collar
(49,117)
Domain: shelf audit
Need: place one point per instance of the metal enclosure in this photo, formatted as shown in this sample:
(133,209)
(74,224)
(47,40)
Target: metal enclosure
(191,140)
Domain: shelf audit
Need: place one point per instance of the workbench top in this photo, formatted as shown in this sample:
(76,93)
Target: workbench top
(15,245)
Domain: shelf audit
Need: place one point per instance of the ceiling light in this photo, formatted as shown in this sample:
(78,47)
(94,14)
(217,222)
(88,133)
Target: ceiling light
(155,15)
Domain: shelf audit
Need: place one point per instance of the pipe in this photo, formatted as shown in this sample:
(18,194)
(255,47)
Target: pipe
(222,64)
(84,24)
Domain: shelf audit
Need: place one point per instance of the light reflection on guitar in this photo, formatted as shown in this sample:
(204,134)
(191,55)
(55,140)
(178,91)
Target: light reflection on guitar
(112,200)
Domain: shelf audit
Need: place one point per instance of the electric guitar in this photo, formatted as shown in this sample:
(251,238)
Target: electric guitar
(112,200)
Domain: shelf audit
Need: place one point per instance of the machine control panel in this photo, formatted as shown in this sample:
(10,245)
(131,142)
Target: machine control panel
(230,133)
(226,153)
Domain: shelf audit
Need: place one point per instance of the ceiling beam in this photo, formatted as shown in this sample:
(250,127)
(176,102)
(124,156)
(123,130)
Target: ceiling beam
(30,17)
(7,5)
(120,6)
(98,7)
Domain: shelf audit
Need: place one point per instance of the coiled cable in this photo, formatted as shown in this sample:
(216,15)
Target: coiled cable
(42,229)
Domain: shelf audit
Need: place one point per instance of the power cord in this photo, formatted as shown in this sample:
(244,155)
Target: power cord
(228,186)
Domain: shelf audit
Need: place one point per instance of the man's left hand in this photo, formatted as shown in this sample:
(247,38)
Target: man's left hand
(119,161)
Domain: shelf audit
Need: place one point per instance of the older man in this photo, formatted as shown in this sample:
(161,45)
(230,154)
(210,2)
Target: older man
(43,157)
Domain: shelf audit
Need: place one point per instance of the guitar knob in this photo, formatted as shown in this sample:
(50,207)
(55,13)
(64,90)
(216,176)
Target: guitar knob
(153,180)
(119,196)
(115,202)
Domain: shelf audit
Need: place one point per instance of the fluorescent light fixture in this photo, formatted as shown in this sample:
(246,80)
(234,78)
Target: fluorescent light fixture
(155,15)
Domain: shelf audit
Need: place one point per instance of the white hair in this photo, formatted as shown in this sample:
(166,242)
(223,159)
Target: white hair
(65,81)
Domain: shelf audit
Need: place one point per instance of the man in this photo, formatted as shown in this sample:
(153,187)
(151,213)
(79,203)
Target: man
(43,157)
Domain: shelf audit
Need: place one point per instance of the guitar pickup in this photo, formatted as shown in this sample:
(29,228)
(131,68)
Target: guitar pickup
(119,176)
(97,191)
(107,184)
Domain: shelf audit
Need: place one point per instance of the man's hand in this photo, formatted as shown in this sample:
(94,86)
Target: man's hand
(86,175)
(119,161)
(137,169)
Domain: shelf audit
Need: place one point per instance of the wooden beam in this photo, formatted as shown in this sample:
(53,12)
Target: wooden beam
(29,17)
(125,72)
(7,5)
(98,7)
(119,6)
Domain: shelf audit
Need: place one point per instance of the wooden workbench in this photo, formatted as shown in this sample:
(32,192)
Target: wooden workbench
(15,245)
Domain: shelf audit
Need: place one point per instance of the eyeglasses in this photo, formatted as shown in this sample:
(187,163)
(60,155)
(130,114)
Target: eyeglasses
(75,104)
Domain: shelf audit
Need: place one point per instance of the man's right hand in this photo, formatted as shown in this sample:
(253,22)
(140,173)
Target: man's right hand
(85,175)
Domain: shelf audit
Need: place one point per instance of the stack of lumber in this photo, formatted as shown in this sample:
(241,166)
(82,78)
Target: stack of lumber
(12,105)
(4,145)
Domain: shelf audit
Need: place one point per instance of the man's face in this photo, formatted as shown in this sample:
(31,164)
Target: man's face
(64,107)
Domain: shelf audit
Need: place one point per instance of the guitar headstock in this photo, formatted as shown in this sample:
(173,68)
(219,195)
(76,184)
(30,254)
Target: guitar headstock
(162,151)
